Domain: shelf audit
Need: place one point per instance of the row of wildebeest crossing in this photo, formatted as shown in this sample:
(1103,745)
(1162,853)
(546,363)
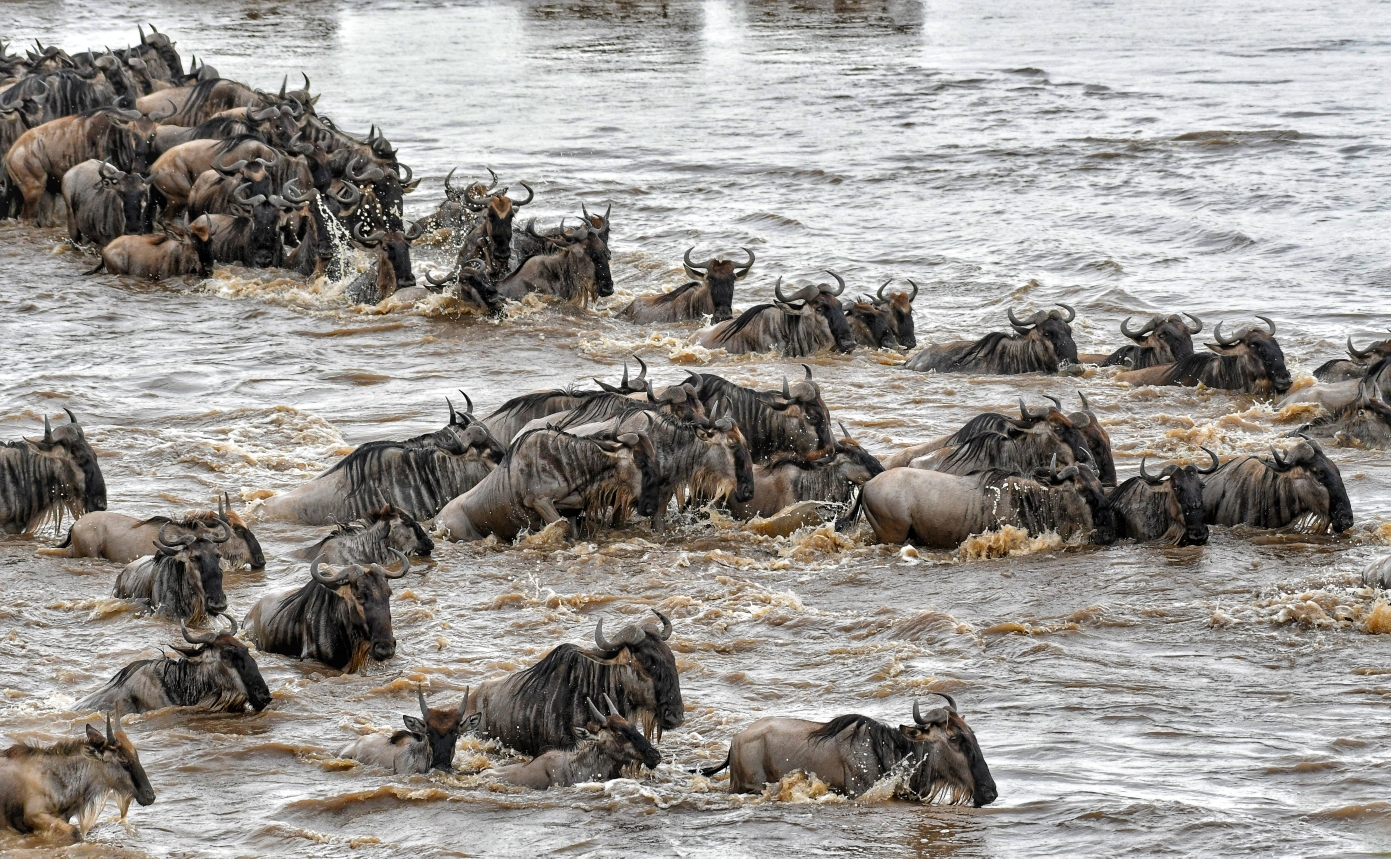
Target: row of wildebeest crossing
(170,171)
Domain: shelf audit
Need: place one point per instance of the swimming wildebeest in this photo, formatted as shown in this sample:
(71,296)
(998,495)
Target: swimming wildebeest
(371,540)
(44,787)
(938,510)
(419,476)
(538,708)
(1161,340)
(831,476)
(898,308)
(549,475)
(851,753)
(104,202)
(39,479)
(995,441)
(808,321)
(183,579)
(1041,344)
(121,538)
(793,420)
(1167,506)
(1363,422)
(427,742)
(604,747)
(176,251)
(1275,492)
(339,619)
(1250,361)
(217,673)
(869,324)
(709,293)
(490,238)
(1343,370)
(574,269)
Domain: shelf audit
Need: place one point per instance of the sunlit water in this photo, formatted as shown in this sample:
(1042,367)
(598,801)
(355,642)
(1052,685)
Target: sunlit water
(1130,701)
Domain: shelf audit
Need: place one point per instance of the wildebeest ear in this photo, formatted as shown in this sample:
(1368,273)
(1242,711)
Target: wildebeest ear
(471,724)
(415,725)
(581,733)
(95,737)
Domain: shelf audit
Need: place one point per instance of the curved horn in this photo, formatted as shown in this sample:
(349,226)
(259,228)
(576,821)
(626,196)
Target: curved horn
(1353,351)
(306,81)
(744,269)
(283,81)
(840,280)
(1222,341)
(72,418)
(697,266)
(1278,457)
(777,291)
(530,194)
(844,433)
(1196,326)
(1057,404)
(1086,406)
(201,638)
(599,640)
(807,368)
(883,286)
(328,581)
(224,533)
(613,708)
(1145,475)
(494,175)
(231,622)
(105,166)
(47,431)
(1015,321)
(1269,324)
(1133,335)
(468,403)
(110,734)
(405,564)
(1210,469)
(414,231)
(1024,412)
(448,190)
(1071,314)
(430,276)
(666,624)
(642,376)
(917,714)
(225,169)
(598,717)
(420,696)
(350,195)
(369,240)
(406,169)
(181,541)
(951,702)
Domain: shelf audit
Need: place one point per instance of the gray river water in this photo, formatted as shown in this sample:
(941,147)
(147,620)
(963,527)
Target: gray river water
(1219,158)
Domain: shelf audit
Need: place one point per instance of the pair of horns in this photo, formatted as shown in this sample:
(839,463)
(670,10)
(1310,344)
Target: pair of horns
(1228,341)
(48,427)
(912,295)
(699,267)
(937,716)
(1169,469)
(631,634)
(625,386)
(467,412)
(1039,317)
(344,574)
(809,292)
(425,710)
(600,717)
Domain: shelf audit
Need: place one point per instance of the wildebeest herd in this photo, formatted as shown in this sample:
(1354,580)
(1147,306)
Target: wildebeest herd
(168,172)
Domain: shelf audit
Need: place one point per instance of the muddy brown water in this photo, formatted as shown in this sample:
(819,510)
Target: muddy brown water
(1133,700)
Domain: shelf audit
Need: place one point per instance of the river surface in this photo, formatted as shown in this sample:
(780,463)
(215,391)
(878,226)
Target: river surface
(1219,158)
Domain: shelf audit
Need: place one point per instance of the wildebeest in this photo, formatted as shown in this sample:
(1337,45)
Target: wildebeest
(121,538)
(603,748)
(898,310)
(576,270)
(427,742)
(174,173)
(176,251)
(491,237)
(793,420)
(1098,441)
(939,510)
(1249,361)
(537,708)
(1161,340)
(417,476)
(709,293)
(43,787)
(104,202)
(371,540)
(183,579)
(869,324)
(808,321)
(829,475)
(389,271)
(1041,344)
(324,236)
(39,479)
(995,441)
(217,673)
(160,57)
(250,236)
(471,283)
(1343,370)
(1275,492)
(39,158)
(1167,506)
(548,471)
(338,619)
(1363,422)
(852,753)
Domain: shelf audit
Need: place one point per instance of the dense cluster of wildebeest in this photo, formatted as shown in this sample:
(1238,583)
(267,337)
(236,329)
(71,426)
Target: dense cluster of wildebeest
(168,172)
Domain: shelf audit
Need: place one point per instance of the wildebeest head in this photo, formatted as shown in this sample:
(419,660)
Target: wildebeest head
(1052,328)
(403,533)
(441,729)
(1372,354)
(727,453)
(366,589)
(393,256)
(899,307)
(256,559)
(950,762)
(263,215)
(1098,441)
(821,300)
(617,739)
(1261,346)
(719,276)
(860,465)
(1085,483)
(644,456)
(133,192)
(1166,334)
(1185,485)
(805,397)
(122,763)
(873,322)
(597,249)
(1307,457)
(655,663)
(238,668)
(1063,427)
(164,47)
(73,441)
(198,552)
(498,210)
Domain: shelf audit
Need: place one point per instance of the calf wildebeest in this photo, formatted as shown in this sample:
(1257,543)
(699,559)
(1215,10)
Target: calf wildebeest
(183,579)
(603,748)
(548,471)
(1275,492)
(576,270)
(1161,340)
(831,476)
(816,324)
(851,753)
(339,619)
(793,420)
(709,293)
(537,708)
(1041,344)
(1249,361)
(39,158)
(417,476)
(371,540)
(175,252)
(43,787)
(939,510)
(1363,422)
(1167,506)
(104,202)
(1343,370)
(39,479)
(217,673)
(121,538)
(426,744)
(992,440)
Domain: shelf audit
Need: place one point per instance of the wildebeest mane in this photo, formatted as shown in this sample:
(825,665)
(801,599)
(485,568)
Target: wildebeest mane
(669,297)
(744,320)
(69,747)
(420,479)
(64,92)
(887,743)
(33,485)
(986,452)
(193,105)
